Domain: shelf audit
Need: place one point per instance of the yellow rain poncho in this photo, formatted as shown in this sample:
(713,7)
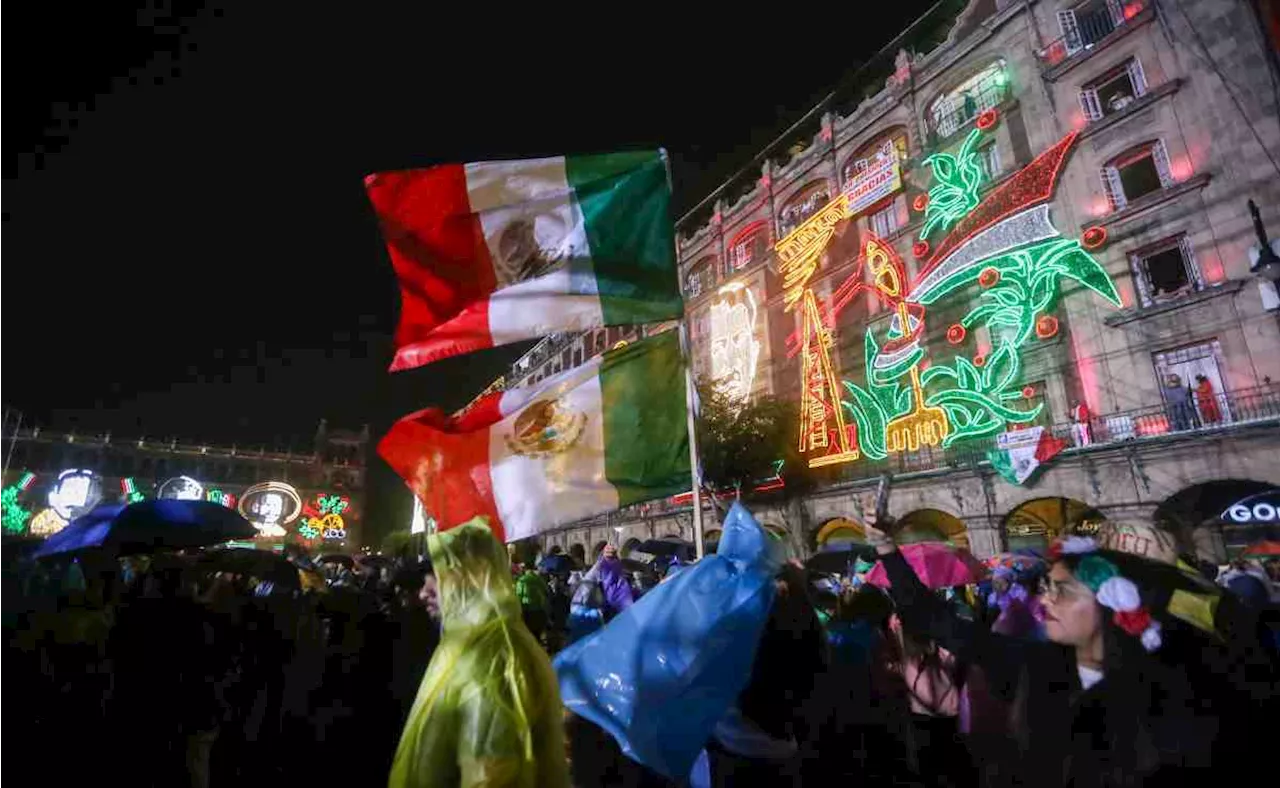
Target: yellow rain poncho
(488,711)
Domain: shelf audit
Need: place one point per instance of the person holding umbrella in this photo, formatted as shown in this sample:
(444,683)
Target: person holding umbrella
(1092,706)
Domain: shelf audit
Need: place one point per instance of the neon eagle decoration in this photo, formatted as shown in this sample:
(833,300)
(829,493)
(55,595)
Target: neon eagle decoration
(1007,244)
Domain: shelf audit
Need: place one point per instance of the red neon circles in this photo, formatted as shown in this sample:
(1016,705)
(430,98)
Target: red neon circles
(1028,392)
(1094,237)
(987,119)
(1046,326)
(980,360)
(988,277)
(920,248)
(920,202)
(955,333)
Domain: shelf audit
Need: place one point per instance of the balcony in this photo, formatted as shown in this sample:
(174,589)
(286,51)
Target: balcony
(1089,28)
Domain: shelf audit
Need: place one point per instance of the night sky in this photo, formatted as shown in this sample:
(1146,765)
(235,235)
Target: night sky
(189,248)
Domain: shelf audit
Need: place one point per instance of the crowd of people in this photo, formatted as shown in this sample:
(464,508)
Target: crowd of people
(202,668)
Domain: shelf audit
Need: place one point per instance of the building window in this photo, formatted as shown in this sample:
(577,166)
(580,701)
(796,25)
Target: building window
(886,221)
(982,91)
(1114,91)
(1183,374)
(1093,20)
(802,207)
(700,279)
(989,161)
(1136,173)
(750,246)
(1166,271)
(873,153)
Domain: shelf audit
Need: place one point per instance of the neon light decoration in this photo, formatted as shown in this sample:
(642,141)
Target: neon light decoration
(14,514)
(822,424)
(270,506)
(75,492)
(322,517)
(1007,244)
(218,496)
(181,488)
(734,348)
(47,523)
(129,491)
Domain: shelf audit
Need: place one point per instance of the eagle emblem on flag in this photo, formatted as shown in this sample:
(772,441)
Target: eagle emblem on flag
(546,427)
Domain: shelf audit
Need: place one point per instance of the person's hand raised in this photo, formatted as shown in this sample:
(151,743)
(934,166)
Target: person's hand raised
(877,538)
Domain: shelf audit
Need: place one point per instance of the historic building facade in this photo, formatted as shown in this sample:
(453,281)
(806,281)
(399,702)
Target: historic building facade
(313,497)
(1134,133)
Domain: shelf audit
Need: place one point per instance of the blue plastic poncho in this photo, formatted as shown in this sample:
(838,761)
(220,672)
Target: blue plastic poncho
(662,673)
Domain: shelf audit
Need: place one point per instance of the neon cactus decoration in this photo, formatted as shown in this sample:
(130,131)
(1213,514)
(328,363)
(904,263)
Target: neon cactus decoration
(14,514)
(1006,244)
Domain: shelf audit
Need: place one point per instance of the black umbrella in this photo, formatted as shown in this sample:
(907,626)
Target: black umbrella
(837,560)
(266,565)
(150,525)
(337,558)
(670,545)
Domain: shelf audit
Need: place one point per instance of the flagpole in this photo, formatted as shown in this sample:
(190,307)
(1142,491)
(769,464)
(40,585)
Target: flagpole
(691,401)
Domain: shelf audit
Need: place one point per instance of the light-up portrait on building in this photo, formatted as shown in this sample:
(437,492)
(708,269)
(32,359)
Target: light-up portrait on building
(74,493)
(182,488)
(735,351)
(270,506)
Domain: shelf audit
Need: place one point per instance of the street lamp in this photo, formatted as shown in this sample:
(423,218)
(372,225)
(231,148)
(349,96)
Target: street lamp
(1263,260)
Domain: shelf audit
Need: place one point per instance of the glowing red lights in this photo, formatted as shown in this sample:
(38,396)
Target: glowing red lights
(1046,326)
(1028,392)
(980,360)
(920,248)
(988,277)
(955,333)
(920,202)
(987,119)
(1094,237)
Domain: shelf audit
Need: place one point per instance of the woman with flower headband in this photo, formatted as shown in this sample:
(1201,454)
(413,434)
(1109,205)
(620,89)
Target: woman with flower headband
(1089,707)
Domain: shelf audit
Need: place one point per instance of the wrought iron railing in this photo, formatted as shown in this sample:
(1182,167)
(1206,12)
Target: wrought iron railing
(1086,28)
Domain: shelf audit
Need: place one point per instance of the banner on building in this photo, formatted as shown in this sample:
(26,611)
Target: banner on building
(881,178)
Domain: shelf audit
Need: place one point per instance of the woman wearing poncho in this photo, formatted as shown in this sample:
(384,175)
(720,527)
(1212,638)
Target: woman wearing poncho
(488,712)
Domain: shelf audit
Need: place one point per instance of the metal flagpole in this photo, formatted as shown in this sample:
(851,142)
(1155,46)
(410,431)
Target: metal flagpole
(691,402)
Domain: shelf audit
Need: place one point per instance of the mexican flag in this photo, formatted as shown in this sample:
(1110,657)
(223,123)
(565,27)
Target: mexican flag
(503,251)
(607,434)
(1020,453)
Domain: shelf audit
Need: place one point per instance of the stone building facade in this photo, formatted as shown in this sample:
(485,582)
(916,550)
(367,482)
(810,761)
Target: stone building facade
(1173,105)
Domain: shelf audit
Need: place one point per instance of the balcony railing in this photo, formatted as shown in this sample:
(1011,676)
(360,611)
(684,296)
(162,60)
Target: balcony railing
(1086,28)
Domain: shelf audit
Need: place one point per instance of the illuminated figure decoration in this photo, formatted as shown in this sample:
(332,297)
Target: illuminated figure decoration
(824,435)
(734,348)
(182,488)
(75,493)
(47,523)
(218,496)
(13,514)
(1007,245)
(129,492)
(322,518)
(270,506)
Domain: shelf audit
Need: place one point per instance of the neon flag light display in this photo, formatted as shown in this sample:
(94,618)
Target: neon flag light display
(1007,245)
(129,491)
(218,496)
(322,517)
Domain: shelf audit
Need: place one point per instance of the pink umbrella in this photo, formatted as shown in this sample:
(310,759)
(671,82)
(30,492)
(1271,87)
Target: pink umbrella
(937,565)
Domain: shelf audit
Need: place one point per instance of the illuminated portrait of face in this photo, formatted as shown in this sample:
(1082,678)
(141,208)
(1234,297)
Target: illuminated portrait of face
(734,348)
(74,494)
(182,488)
(270,507)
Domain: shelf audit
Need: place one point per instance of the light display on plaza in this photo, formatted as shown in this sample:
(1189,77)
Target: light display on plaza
(1006,244)
(322,517)
(735,351)
(14,515)
(270,506)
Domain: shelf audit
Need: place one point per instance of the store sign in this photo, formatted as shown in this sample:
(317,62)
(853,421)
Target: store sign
(270,506)
(74,493)
(881,178)
(1260,509)
(181,488)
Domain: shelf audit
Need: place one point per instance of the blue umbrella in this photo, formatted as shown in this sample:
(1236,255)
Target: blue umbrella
(148,525)
(556,564)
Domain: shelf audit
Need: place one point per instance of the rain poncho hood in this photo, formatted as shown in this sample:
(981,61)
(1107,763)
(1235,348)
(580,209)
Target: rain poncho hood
(487,712)
(662,674)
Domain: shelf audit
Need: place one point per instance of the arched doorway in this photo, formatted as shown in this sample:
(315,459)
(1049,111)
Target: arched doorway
(931,525)
(1035,523)
(838,532)
(1216,520)
(628,546)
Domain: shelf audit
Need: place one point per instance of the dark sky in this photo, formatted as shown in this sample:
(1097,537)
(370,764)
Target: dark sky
(189,248)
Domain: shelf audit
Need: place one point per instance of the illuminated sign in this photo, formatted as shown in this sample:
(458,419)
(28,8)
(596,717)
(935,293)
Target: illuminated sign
(218,496)
(322,517)
(74,493)
(15,515)
(1256,509)
(881,178)
(129,491)
(181,488)
(734,348)
(47,522)
(270,506)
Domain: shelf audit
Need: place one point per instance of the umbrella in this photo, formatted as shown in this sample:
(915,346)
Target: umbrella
(147,525)
(266,565)
(937,565)
(1268,547)
(559,564)
(337,558)
(668,546)
(1020,563)
(837,560)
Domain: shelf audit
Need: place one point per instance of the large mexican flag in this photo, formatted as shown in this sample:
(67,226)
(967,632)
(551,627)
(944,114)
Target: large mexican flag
(1020,453)
(497,252)
(607,434)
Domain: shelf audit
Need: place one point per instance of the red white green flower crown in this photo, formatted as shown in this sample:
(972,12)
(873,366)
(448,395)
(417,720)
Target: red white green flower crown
(1112,590)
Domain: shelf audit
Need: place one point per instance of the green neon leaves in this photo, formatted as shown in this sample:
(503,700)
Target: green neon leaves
(958,180)
(878,404)
(14,515)
(974,402)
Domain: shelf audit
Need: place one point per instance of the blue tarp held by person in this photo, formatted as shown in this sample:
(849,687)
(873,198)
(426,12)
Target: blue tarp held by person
(661,675)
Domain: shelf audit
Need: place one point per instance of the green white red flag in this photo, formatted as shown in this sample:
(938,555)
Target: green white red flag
(1020,453)
(589,440)
(498,252)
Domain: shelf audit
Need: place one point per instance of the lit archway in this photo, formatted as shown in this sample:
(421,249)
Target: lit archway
(1215,520)
(1035,523)
(932,525)
(839,531)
